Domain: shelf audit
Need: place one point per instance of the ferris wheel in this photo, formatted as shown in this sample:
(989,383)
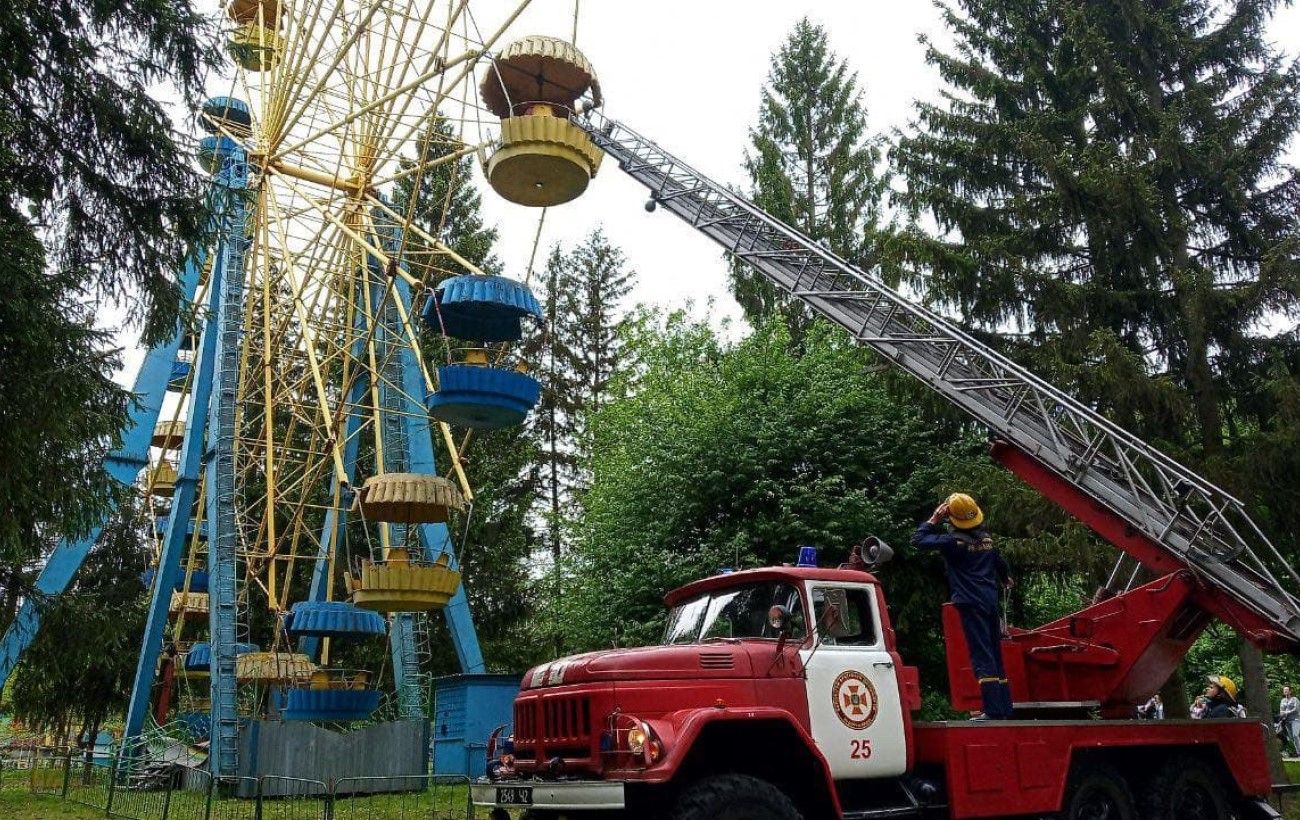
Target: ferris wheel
(295,486)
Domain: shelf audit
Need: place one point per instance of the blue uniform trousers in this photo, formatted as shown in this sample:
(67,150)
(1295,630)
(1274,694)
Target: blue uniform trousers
(983,630)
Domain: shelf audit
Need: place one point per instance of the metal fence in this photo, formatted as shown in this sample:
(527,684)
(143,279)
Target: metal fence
(151,790)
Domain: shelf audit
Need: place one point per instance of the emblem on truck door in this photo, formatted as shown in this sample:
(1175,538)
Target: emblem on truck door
(854,699)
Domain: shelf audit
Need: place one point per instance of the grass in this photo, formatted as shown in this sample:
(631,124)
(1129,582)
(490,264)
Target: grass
(17,802)
(17,805)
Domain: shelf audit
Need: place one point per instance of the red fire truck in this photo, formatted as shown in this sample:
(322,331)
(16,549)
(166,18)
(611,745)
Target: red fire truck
(780,692)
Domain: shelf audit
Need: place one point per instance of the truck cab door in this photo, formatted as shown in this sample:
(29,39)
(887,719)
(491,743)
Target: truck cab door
(854,701)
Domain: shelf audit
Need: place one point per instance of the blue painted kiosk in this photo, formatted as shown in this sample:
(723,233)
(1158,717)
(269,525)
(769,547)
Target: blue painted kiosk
(466,709)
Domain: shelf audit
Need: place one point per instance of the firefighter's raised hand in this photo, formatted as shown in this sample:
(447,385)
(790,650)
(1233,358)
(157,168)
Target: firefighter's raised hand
(939,514)
(855,559)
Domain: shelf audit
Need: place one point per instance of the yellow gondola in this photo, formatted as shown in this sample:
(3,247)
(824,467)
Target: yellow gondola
(398,585)
(408,498)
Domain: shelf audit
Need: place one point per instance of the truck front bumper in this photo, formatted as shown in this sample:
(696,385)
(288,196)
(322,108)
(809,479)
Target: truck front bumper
(545,794)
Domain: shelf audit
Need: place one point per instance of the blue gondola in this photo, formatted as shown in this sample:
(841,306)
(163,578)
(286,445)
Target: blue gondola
(197,724)
(228,111)
(180,370)
(481,308)
(198,580)
(199,658)
(333,619)
(214,151)
(329,705)
(483,398)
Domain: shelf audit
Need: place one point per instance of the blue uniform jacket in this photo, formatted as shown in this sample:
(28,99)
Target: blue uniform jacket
(976,572)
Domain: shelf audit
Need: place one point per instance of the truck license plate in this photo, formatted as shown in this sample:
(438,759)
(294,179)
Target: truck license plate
(514,795)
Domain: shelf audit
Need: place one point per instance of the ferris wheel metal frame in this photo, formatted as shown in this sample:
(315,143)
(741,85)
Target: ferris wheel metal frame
(350,89)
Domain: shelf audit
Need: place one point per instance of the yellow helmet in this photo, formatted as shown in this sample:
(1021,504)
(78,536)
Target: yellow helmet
(1225,683)
(963,512)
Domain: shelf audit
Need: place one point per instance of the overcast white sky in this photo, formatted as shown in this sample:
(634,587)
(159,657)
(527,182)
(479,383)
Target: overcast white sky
(687,73)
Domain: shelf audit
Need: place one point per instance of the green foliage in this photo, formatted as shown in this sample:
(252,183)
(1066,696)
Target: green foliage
(90,158)
(811,164)
(80,667)
(733,456)
(1108,177)
(97,201)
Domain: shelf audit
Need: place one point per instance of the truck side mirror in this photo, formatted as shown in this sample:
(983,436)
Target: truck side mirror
(778,618)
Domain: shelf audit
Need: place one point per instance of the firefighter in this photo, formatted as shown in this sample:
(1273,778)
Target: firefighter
(1221,698)
(976,575)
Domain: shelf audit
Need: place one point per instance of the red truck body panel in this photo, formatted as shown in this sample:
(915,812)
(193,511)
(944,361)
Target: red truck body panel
(1008,768)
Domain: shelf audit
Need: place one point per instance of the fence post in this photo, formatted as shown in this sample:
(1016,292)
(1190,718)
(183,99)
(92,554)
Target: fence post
(257,805)
(112,784)
(167,797)
(68,771)
(330,786)
(207,803)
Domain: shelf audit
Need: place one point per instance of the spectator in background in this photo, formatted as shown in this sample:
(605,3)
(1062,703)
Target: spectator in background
(1153,709)
(1288,714)
(1198,707)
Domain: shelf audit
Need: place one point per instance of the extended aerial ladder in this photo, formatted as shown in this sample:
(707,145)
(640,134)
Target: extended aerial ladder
(1155,509)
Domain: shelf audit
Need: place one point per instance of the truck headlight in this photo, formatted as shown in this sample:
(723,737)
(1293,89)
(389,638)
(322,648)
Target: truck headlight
(629,735)
(636,738)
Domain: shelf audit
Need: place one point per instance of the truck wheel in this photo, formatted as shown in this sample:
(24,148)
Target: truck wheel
(1098,792)
(734,797)
(1186,788)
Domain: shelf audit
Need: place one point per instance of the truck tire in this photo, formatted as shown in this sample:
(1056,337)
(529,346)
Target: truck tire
(734,797)
(1186,788)
(1098,792)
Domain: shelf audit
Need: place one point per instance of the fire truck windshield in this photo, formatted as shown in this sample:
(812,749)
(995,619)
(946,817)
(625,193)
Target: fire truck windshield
(735,613)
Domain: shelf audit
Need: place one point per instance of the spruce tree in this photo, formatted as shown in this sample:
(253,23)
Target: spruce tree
(78,671)
(578,358)
(446,206)
(1108,178)
(99,202)
(812,164)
